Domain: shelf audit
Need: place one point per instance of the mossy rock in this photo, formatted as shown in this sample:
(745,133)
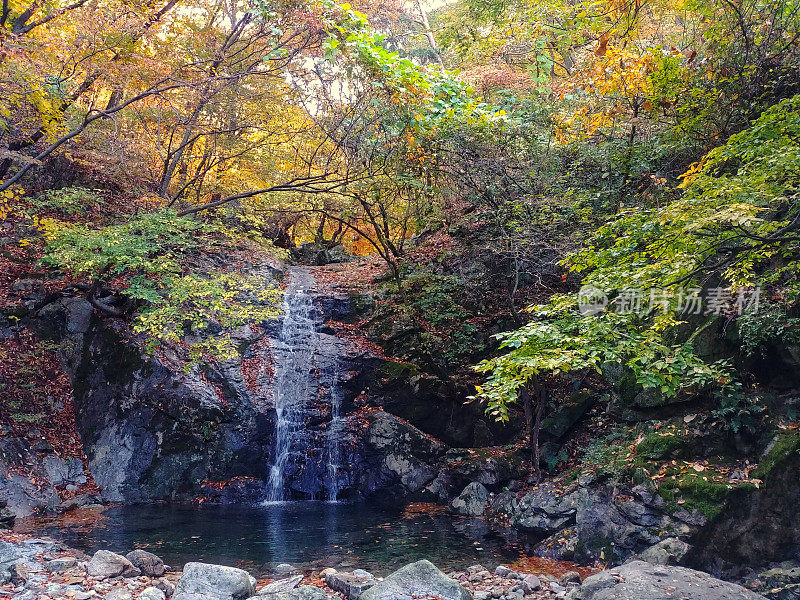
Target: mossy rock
(394,371)
(786,444)
(558,424)
(656,446)
(696,492)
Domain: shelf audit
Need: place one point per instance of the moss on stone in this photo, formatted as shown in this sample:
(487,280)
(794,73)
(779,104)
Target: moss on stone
(657,445)
(397,370)
(785,445)
(697,491)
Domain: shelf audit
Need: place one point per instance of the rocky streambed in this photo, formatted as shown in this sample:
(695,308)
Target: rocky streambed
(43,569)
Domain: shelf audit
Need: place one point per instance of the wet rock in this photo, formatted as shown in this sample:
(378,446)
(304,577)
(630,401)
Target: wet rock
(350,584)
(152,593)
(417,580)
(644,581)
(471,501)
(105,564)
(148,563)
(201,581)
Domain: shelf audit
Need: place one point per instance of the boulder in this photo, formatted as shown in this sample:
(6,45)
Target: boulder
(419,580)
(566,415)
(105,564)
(471,501)
(643,581)
(530,584)
(202,581)
(666,552)
(400,459)
(60,564)
(303,592)
(282,585)
(118,593)
(284,569)
(544,511)
(148,563)
(152,593)
(351,585)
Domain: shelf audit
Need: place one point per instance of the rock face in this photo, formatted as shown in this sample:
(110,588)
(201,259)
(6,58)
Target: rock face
(20,494)
(201,581)
(398,459)
(153,431)
(639,580)
(472,501)
(591,521)
(757,526)
(419,580)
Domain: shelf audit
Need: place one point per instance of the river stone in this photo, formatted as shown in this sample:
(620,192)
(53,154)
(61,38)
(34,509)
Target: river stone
(638,580)
(304,592)
(152,593)
(118,593)
(105,564)
(417,580)
(202,581)
(530,584)
(284,569)
(61,564)
(282,585)
(472,501)
(349,584)
(147,562)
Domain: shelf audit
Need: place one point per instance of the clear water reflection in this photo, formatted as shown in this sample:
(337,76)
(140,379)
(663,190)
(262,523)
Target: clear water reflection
(306,534)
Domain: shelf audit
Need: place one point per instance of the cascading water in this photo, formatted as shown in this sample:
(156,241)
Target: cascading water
(293,380)
(334,433)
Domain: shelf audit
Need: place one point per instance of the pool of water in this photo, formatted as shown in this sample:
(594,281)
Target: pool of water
(309,535)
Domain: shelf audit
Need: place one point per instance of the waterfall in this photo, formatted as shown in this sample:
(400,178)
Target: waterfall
(293,381)
(332,441)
